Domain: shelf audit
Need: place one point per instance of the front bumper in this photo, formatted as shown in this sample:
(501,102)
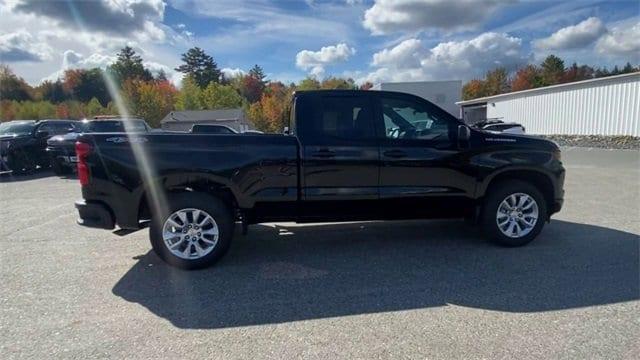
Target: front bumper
(63,156)
(95,215)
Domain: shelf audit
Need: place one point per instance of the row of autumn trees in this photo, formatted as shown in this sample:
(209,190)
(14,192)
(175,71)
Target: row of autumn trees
(84,93)
(551,71)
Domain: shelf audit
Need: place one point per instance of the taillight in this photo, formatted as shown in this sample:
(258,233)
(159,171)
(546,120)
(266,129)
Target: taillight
(82,151)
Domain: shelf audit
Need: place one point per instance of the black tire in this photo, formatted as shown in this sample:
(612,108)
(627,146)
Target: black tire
(58,168)
(499,192)
(213,206)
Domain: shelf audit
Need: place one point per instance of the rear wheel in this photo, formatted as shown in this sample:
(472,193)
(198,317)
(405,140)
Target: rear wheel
(194,232)
(514,213)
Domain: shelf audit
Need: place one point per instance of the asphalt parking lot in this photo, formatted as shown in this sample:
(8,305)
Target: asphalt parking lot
(415,289)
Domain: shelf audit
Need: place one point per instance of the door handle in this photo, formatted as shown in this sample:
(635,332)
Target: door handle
(395,153)
(324,153)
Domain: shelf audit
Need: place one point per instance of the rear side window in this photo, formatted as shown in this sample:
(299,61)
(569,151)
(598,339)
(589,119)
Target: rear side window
(342,118)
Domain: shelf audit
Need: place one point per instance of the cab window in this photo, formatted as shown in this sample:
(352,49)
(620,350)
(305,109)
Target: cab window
(410,119)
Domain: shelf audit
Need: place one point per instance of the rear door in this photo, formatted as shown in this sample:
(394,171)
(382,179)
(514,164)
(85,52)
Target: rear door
(340,156)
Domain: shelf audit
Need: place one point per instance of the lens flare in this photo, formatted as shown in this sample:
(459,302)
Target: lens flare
(154,193)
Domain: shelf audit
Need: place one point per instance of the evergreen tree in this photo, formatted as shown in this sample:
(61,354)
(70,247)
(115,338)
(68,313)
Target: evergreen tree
(200,67)
(129,66)
(257,73)
(552,70)
(161,76)
(628,68)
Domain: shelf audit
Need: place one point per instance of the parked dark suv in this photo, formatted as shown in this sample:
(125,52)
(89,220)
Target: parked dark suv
(23,143)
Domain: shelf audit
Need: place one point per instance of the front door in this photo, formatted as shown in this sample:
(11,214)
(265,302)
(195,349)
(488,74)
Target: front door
(421,172)
(340,158)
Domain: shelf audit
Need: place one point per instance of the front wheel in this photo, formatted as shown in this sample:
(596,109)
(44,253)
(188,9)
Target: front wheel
(21,163)
(194,232)
(514,213)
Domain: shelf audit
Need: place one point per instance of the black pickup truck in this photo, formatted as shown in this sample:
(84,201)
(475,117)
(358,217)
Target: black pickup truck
(346,155)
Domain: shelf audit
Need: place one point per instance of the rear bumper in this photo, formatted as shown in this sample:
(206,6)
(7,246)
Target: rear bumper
(95,215)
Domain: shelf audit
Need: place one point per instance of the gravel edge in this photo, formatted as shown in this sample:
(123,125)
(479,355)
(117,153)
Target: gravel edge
(596,141)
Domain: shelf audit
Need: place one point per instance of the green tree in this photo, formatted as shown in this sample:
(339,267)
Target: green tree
(190,96)
(218,96)
(83,85)
(628,68)
(552,70)
(51,91)
(338,83)
(13,87)
(497,82)
(129,66)
(200,66)
(93,108)
(161,76)
(308,84)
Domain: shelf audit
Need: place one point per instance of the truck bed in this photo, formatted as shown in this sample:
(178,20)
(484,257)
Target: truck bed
(254,168)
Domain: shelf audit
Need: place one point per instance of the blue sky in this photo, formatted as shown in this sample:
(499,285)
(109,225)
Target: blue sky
(380,40)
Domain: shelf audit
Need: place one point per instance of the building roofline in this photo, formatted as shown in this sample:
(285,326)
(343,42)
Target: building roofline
(545,88)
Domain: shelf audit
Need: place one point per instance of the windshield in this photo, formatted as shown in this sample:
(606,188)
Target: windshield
(102,126)
(17,128)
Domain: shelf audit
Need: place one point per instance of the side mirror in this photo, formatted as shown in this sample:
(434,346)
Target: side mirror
(464,134)
(42,134)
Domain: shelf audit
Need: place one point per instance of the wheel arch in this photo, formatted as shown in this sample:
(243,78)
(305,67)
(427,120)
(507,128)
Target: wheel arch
(185,184)
(538,178)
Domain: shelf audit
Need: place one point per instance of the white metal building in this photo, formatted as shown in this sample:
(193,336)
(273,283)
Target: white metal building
(445,94)
(604,106)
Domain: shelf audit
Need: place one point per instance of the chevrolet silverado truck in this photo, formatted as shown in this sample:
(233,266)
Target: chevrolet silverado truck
(346,155)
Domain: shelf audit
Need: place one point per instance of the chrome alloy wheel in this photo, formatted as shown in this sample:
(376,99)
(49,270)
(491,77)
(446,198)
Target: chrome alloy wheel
(190,233)
(517,215)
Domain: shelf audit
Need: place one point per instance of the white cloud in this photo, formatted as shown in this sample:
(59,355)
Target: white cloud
(316,61)
(22,46)
(408,61)
(404,55)
(232,72)
(124,17)
(388,16)
(573,37)
(621,41)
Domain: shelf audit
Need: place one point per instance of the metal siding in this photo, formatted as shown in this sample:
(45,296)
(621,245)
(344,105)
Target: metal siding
(591,109)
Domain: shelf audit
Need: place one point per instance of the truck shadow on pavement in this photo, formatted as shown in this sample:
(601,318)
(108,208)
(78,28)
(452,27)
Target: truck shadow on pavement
(290,273)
